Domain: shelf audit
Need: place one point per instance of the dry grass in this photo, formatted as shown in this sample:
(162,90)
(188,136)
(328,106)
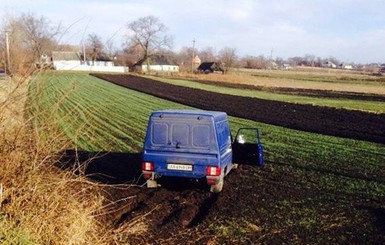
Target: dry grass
(39,202)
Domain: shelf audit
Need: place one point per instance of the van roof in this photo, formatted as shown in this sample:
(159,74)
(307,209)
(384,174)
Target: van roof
(215,114)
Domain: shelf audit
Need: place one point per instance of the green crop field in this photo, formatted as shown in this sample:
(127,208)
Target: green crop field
(94,114)
(99,116)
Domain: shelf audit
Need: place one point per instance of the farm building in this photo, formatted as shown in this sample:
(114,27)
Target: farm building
(74,61)
(158,63)
(209,67)
(346,66)
(286,67)
(196,62)
(329,64)
(66,60)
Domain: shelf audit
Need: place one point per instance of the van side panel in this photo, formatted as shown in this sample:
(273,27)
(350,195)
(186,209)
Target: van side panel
(224,145)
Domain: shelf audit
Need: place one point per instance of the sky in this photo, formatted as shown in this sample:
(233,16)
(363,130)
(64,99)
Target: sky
(352,31)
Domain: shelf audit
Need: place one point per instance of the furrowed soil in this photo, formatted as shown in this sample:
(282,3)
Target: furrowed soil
(323,120)
(257,205)
(301,91)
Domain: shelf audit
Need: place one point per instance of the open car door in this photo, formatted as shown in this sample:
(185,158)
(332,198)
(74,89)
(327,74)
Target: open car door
(247,148)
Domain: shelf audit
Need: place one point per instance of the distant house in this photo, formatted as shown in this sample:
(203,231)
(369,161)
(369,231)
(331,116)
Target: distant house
(272,65)
(196,62)
(329,64)
(286,67)
(66,60)
(210,67)
(74,61)
(157,63)
(346,66)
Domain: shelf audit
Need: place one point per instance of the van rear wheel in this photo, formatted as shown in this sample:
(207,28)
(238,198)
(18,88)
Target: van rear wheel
(217,187)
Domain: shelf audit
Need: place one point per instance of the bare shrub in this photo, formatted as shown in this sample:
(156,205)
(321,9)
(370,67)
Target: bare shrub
(39,202)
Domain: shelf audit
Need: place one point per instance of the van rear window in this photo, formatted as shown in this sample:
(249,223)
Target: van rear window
(201,136)
(181,134)
(159,133)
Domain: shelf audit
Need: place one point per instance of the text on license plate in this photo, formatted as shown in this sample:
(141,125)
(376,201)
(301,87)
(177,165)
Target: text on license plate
(181,167)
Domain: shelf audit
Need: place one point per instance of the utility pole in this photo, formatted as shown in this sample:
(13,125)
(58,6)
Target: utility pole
(193,56)
(83,42)
(271,59)
(7,63)
(84,54)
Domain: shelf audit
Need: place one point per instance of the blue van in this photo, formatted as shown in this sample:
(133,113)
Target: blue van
(192,144)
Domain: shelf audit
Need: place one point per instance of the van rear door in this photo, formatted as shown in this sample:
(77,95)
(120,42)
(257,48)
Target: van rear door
(247,148)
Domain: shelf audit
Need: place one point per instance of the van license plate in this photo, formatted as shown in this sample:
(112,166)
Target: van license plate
(181,167)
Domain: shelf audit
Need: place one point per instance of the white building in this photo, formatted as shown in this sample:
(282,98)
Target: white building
(159,63)
(73,61)
(346,66)
(329,64)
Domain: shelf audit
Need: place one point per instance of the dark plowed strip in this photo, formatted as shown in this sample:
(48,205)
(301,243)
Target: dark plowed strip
(324,120)
(301,92)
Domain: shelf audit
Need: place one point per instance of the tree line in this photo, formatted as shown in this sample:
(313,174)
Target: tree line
(27,42)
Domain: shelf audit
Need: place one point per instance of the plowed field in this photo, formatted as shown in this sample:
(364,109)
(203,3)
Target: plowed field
(323,120)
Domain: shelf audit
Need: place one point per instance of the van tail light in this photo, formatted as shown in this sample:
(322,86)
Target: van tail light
(147,166)
(147,176)
(211,181)
(213,171)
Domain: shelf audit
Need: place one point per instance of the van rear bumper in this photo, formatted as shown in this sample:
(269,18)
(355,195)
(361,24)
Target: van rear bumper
(212,180)
(170,173)
(149,175)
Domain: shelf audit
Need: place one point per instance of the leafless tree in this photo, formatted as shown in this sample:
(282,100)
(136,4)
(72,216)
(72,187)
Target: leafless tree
(94,47)
(132,54)
(110,50)
(228,58)
(30,39)
(253,62)
(280,62)
(309,59)
(150,35)
(39,34)
(184,58)
(295,61)
(207,54)
(249,62)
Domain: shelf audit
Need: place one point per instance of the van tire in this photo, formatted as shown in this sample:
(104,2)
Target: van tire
(217,187)
(152,183)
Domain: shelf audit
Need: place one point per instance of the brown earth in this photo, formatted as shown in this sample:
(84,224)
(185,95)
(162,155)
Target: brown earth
(258,205)
(323,120)
(301,91)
